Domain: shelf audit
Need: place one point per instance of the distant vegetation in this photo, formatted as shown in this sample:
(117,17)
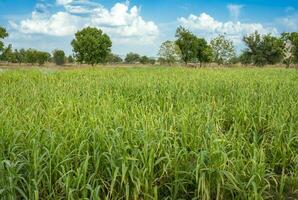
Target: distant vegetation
(92,46)
(59,57)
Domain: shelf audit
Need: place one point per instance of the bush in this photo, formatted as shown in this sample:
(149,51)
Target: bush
(59,57)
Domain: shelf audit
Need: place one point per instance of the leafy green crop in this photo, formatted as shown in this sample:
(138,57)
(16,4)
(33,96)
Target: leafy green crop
(155,133)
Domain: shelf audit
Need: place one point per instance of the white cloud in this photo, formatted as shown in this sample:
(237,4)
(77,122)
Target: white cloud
(63,2)
(289,23)
(202,22)
(208,27)
(234,10)
(122,23)
(58,24)
(81,6)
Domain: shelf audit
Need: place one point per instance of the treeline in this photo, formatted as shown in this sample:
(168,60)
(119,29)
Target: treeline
(260,49)
(86,51)
(33,56)
(92,46)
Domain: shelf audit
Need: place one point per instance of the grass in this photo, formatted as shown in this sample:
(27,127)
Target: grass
(155,133)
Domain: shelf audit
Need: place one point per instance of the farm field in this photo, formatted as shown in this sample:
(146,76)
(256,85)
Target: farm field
(149,133)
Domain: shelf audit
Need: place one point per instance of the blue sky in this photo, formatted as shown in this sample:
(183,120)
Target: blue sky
(141,25)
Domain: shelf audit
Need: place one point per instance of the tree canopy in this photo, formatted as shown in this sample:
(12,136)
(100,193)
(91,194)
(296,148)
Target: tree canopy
(132,58)
(193,48)
(203,51)
(169,52)
(70,59)
(3,34)
(113,58)
(223,50)
(91,46)
(186,41)
(293,38)
(263,49)
(59,57)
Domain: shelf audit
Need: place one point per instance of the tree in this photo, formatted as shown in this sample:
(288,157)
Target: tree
(170,52)
(272,49)
(187,42)
(263,50)
(293,37)
(91,46)
(59,57)
(288,53)
(223,50)
(235,60)
(203,51)
(42,57)
(144,60)
(31,56)
(245,58)
(132,58)
(162,61)
(20,56)
(3,34)
(193,48)
(70,59)
(253,50)
(152,61)
(7,54)
(113,58)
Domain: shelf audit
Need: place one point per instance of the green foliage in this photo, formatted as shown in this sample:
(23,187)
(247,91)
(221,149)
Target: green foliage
(203,51)
(264,49)
(7,54)
(160,133)
(3,34)
(273,49)
(245,58)
(20,55)
(91,46)
(59,57)
(42,57)
(113,58)
(162,61)
(293,37)
(169,53)
(152,61)
(70,59)
(186,42)
(31,56)
(145,60)
(193,49)
(223,50)
(132,58)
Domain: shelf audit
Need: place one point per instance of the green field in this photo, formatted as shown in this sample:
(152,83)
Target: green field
(156,133)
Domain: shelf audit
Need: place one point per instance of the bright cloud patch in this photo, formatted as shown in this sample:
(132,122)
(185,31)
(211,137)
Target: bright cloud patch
(58,24)
(289,23)
(235,10)
(208,26)
(124,24)
(63,2)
